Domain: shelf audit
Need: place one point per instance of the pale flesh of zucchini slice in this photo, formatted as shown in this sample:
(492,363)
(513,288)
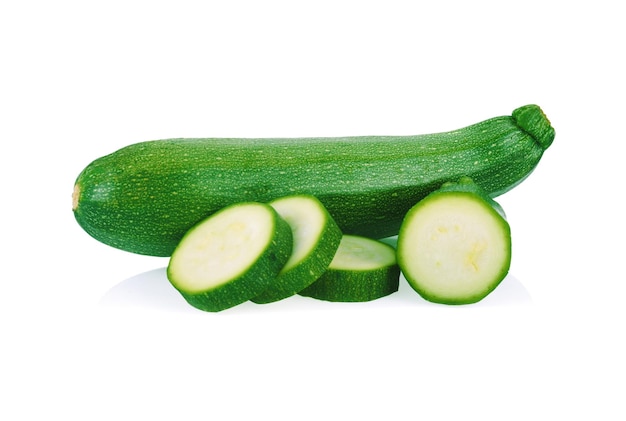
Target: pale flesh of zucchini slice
(316,238)
(363,269)
(231,256)
(454,247)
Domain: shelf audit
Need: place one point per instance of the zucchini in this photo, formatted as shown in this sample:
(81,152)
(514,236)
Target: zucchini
(230,257)
(144,197)
(316,238)
(363,269)
(454,246)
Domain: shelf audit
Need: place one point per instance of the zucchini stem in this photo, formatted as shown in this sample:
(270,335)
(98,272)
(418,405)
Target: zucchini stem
(533,121)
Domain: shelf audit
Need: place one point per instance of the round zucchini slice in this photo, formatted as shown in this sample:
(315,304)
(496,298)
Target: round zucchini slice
(230,257)
(316,238)
(363,269)
(454,246)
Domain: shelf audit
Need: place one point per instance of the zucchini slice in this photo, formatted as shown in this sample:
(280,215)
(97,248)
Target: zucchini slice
(363,269)
(454,246)
(316,238)
(231,256)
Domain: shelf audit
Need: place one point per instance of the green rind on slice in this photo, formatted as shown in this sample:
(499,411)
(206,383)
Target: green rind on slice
(231,256)
(363,269)
(316,239)
(454,246)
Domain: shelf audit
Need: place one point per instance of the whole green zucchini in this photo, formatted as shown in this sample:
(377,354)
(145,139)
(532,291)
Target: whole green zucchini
(144,197)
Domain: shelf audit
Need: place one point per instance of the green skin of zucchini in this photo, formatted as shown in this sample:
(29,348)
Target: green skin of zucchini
(144,197)
(354,286)
(351,282)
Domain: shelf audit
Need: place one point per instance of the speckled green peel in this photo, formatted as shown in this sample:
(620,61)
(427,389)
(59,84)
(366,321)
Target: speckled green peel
(363,270)
(454,246)
(144,197)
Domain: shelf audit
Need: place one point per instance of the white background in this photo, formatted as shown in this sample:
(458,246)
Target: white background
(93,333)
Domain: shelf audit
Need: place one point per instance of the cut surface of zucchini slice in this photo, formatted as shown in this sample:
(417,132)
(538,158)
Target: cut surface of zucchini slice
(231,256)
(363,269)
(316,238)
(454,246)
